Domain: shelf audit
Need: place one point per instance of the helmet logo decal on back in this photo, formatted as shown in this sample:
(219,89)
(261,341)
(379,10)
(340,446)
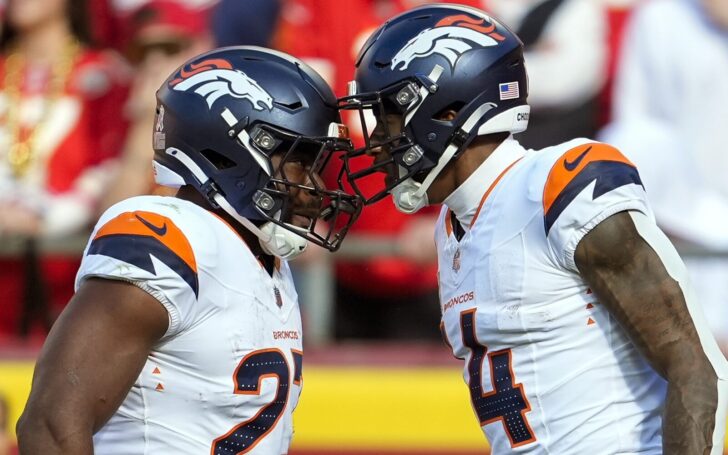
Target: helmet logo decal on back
(159,127)
(160,139)
(451,37)
(215,78)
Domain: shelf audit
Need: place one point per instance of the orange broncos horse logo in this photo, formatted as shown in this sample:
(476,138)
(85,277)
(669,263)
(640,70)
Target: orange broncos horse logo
(451,37)
(215,78)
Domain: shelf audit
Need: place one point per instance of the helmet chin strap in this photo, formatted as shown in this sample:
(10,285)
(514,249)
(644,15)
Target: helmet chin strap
(410,196)
(405,199)
(273,238)
(283,243)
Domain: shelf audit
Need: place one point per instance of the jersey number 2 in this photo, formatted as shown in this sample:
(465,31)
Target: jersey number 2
(506,402)
(266,363)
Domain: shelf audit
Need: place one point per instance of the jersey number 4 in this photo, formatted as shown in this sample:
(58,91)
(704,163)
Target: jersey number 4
(506,402)
(248,377)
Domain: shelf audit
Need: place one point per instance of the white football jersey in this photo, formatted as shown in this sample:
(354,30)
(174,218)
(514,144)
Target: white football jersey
(549,370)
(226,376)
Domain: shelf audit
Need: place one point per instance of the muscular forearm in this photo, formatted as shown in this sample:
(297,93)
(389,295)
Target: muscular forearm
(638,276)
(41,436)
(78,384)
(689,418)
(674,350)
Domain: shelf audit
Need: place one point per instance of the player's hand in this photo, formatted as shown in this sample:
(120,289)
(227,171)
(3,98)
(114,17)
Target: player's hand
(17,220)
(417,240)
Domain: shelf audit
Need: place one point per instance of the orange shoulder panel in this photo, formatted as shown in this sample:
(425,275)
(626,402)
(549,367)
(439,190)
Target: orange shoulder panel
(571,163)
(151,225)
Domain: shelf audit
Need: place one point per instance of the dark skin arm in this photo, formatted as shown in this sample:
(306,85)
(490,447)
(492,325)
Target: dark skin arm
(91,358)
(631,281)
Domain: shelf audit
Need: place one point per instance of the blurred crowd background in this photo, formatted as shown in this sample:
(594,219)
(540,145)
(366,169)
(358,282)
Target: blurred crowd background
(77,84)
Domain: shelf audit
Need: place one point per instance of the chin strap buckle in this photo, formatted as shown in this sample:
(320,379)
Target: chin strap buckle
(209,189)
(459,138)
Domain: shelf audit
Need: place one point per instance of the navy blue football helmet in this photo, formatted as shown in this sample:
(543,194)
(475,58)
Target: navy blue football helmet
(231,121)
(426,62)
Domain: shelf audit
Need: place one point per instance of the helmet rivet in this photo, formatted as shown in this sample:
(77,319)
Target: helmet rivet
(433,88)
(412,155)
(264,140)
(403,97)
(263,200)
(266,202)
(432,137)
(231,133)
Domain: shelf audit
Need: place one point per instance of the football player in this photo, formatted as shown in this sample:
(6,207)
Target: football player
(569,307)
(184,335)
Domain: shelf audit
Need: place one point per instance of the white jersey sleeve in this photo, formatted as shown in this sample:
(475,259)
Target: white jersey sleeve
(148,248)
(587,184)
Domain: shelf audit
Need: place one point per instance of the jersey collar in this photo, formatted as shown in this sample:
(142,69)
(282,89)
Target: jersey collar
(467,199)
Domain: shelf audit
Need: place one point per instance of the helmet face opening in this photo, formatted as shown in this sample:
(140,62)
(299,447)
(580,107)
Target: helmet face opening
(390,154)
(298,165)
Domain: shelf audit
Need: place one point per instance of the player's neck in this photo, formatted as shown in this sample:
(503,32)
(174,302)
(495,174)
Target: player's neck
(190,194)
(477,152)
(459,170)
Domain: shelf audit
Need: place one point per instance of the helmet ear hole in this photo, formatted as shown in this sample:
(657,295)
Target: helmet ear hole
(449,112)
(219,161)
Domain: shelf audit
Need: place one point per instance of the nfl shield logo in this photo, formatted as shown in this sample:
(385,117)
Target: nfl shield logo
(456,261)
(279,299)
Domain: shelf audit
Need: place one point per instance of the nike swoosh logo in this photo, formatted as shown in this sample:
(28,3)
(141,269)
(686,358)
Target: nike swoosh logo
(160,231)
(570,166)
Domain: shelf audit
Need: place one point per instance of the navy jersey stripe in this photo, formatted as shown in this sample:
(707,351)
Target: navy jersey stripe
(609,175)
(138,249)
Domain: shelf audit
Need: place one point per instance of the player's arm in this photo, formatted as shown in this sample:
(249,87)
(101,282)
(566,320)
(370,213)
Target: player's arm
(91,358)
(636,273)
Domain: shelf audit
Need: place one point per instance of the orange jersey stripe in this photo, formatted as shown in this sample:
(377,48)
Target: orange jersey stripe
(276,260)
(571,164)
(448,220)
(151,225)
(448,223)
(490,189)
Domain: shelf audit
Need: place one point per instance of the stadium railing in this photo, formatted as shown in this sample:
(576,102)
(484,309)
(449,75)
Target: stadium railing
(315,279)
